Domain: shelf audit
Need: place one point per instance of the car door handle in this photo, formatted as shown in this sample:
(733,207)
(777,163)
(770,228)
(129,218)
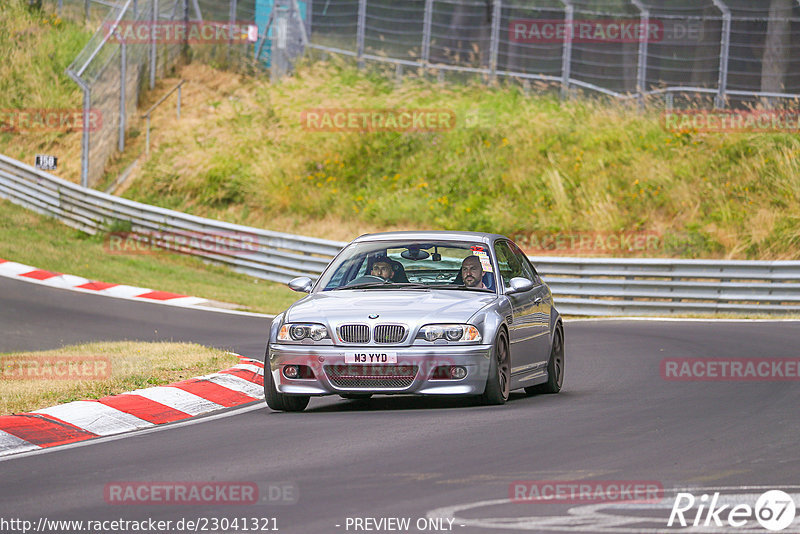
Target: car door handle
(537,300)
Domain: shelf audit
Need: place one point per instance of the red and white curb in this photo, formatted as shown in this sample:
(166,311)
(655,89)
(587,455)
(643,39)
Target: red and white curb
(20,271)
(134,410)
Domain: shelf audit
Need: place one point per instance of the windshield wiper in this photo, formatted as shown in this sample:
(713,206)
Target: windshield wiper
(463,286)
(385,285)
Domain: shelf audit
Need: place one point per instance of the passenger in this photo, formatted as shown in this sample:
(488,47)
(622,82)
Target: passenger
(399,275)
(472,272)
(382,268)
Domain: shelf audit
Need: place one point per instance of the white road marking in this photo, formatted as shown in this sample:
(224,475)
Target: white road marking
(159,428)
(237,384)
(124,291)
(10,444)
(249,367)
(65,281)
(186,301)
(178,399)
(601,517)
(13,269)
(96,417)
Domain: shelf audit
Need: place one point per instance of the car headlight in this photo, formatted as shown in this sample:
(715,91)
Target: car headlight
(301,331)
(449,332)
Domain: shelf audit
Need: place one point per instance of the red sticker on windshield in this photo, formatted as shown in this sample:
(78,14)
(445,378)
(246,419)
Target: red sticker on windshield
(484,259)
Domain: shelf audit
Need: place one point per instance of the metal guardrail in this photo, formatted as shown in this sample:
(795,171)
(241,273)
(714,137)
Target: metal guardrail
(582,286)
(615,286)
(260,253)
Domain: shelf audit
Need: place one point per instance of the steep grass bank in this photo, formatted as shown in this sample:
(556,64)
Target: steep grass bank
(513,164)
(36,47)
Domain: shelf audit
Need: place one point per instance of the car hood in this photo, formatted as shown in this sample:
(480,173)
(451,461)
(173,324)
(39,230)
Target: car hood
(393,305)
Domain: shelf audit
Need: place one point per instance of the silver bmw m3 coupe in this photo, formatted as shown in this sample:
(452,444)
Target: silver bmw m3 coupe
(423,313)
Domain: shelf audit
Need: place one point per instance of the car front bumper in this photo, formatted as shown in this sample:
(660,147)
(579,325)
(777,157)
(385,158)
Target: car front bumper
(412,374)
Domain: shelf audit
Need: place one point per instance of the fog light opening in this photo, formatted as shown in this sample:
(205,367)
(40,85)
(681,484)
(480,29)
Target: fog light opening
(298,371)
(457,372)
(449,372)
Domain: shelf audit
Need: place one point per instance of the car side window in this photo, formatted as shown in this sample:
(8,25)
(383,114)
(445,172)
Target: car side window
(527,267)
(345,272)
(509,264)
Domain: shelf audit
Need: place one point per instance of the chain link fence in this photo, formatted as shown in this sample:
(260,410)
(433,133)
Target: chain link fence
(731,51)
(140,41)
(728,52)
(112,71)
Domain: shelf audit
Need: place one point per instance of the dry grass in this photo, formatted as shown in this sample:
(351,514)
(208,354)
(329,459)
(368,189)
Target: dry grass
(132,365)
(36,48)
(514,165)
(29,238)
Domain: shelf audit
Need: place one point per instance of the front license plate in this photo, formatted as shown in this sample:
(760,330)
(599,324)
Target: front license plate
(370,357)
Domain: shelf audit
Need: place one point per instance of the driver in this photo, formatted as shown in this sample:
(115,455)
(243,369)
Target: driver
(472,272)
(382,268)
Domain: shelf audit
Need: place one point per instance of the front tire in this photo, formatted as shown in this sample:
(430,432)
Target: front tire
(278,401)
(555,368)
(499,380)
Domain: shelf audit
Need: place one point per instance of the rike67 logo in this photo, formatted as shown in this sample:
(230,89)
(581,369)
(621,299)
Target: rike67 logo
(774,510)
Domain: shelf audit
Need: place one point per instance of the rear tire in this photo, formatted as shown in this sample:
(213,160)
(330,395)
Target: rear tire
(499,379)
(555,368)
(278,401)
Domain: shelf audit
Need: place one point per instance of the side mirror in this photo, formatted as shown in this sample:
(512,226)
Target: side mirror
(519,285)
(301,283)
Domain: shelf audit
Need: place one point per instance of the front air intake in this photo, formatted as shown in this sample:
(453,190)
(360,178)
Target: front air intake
(389,333)
(354,333)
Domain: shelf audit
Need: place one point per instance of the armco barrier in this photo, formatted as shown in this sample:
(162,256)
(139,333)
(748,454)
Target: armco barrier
(615,286)
(582,286)
(269,255)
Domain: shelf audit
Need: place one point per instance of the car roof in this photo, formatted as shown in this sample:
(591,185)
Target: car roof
(425,235)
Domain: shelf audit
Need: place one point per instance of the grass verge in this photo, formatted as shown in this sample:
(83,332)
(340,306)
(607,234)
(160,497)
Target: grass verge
(513,164)
(37,47)
(29,238)
(107,368)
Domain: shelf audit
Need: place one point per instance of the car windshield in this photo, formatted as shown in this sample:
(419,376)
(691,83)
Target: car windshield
(450,265)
